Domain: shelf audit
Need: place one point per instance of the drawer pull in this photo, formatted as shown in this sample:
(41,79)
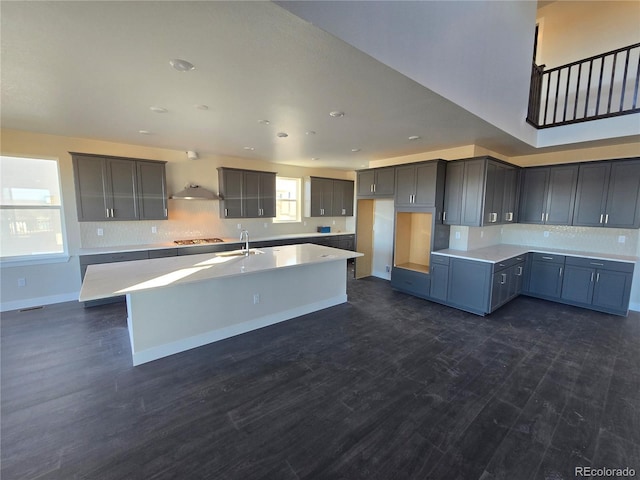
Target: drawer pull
(598,264)
(520,269)
(504,279)
(547,258)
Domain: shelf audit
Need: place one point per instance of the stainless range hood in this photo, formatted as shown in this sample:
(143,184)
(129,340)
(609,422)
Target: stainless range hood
(195,192)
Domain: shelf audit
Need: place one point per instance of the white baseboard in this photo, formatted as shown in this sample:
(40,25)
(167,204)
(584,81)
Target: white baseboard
(231,331)
(38,302)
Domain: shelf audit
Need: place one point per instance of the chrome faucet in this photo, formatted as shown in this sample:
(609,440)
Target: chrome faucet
(244,235)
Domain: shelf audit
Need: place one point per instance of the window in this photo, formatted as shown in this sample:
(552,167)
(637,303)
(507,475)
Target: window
(287,200)
(30,208)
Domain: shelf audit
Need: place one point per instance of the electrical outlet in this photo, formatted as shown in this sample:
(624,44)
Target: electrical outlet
(100,232)
(22,282)
(545,234)
(622,239)
(256,298)
(154,229)
(304,223)
(334,222)
(266,225)
(481,233)
(239,226)
(457,235)
(387,268)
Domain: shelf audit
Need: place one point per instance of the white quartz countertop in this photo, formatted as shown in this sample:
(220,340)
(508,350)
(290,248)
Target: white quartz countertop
(227,240)
(113,279)
(499,253)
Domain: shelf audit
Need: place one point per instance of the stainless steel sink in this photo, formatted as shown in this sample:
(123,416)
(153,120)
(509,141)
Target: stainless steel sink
(239,253)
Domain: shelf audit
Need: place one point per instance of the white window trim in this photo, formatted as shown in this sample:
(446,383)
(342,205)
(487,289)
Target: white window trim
(298,202)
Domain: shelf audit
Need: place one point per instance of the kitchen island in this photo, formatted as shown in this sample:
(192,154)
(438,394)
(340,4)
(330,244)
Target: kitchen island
(178,303)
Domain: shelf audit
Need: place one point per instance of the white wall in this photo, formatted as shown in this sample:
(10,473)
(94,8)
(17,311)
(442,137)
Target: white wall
(50,283)
(475,53)
(383,221)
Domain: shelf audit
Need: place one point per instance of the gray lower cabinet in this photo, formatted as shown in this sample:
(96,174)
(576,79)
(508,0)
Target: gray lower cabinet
(598,284)
(545,276)
(507,281)
(470,285)
(439,288)
(410,281)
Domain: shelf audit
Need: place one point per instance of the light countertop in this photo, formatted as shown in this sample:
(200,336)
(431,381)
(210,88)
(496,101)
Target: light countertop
(113,279)
(227,241)
(499,253)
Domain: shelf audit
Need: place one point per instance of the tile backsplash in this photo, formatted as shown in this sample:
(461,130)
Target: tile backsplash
(197,219)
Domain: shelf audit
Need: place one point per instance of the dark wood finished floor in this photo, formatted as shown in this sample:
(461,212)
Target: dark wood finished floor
(387,386)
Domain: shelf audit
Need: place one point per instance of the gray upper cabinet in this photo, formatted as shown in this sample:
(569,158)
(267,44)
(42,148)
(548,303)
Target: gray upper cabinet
(548,195)
(476,190)
(510,198)
(418,184)
(378,182)
(247,193)
(114,188)
(342,199)
(152,190)
(608,194)
(328,197)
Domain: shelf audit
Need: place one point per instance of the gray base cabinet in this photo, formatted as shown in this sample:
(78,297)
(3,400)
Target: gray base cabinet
(507,281)
(470,285)
(545,276)
(412,282)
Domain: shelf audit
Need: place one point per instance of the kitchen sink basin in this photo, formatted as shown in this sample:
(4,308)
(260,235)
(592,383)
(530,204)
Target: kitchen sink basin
(239,253)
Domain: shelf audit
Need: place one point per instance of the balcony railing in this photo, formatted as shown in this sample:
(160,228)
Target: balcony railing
(597,87)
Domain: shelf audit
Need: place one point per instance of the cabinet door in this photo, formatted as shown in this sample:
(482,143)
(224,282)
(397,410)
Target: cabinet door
(385,181)
(439,281)
(405,185)
(591,194)
(321,197)
(623,200)
(517,280)
(612,290)
(533,198)
(90,188)
(494,194)
(121,185)
(232,189)
(577,284)
(268,195)
(342,201)
(251,194)
(509,201)
(366,179)
(499,288)
(152,190)
(473,192)
(546,279)
(470,285)
(347,198)
(453,193)
(426,180)
(561,196)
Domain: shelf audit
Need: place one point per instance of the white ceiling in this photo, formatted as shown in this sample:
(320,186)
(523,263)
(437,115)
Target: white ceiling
(93,69)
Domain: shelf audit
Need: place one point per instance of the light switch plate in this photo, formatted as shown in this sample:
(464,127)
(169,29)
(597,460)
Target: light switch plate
(622,239)
(100,232)
(545,234)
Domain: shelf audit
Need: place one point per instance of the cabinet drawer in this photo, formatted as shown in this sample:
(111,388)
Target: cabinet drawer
(163,253)
(547,257)
(410,281)
(602,264)
(113,257)
(509,262)
(440,259)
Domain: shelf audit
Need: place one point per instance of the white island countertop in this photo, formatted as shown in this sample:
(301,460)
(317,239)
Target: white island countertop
(114,279)
(499,253)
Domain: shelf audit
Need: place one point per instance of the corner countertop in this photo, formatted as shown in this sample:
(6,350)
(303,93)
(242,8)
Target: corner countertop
(227,241)
(499,253)
(113,279)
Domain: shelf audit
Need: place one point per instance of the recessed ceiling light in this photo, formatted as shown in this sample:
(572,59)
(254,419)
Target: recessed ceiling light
(414,137)
(336,114)
(282,134)
(249,148)
(201,107)
(144,132)
(355,150)
(310,132)
(315,158)
(182,65)
(264,122)
(158,109)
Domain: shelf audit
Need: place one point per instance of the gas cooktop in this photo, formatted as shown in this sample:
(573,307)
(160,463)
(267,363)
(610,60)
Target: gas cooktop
(198,241)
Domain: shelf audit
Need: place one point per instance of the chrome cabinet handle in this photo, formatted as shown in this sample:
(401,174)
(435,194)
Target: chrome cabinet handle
(597,277)
(591,277)
(560,273)
(106,212)
(520,270)
(509,217)
(166,212)
(493,217)
(606,219)
(597,264)
(504,278)
(542,219)
(374,188)
(547,258)
(546,219)
(444,216)
(601,215)
(226,212)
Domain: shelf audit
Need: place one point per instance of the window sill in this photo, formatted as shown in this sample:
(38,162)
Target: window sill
(26,260)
